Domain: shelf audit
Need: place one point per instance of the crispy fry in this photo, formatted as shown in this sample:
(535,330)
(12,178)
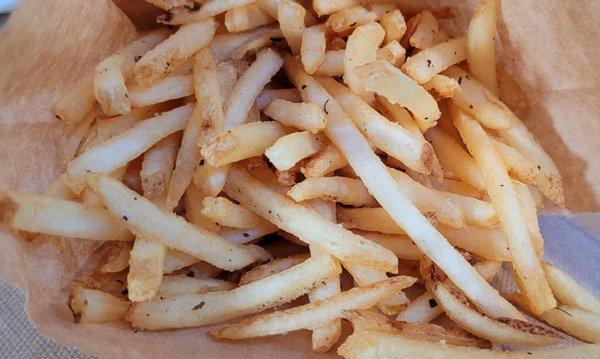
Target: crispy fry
(313,48)
(361,49)
(269,95)
(305,116)
(568,291)
(291,21)
(344,190)
(172,286)
(246,18)
(333,64)
(94,306)
(275,266)
(519,167)
(394,25)
(441,86)
(229,214)
(393,53)
(433,60)
(199,12)
(288,150)
(350,18)
(168,88)
(481,36)
(426,32)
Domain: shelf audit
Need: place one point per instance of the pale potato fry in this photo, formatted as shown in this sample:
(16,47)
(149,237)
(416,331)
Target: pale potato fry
(458,187)
(208,109)
(74,105)
(199,12)
(94,306)
(348,191)
(225,44)
(119,150)
(382,186)
(168,4)
(530,214)
(193,209)
(249,85)
(291,21)
(169,88)
(175,260)
(139,216)
(118,261)
(243,236)
(479,102)
(426,31)
(350,18)
(313,48)
(568,291)
(288,150)
(172,286)
(305,116)
(315,314)
(481,37)
(201,309)
(401,115)
(241,142)
(333,64)
(527,266)
(269,95)
(272,267)
(228,214)
(393,53)
(361,49)
(391,83)
(383,344)
(208,179)
(433,60)
(70,146)
(394,140)
(305,223)
(519,167)
(58,189)
(400,245)
(146,265)
(328,7)
(174,51)
(111,73)
(488,243)
(394,25)
(324,162)
(441,86)
(157,166)
(368,219)
(265,40)
(454,158)
(246,18)
(40,214)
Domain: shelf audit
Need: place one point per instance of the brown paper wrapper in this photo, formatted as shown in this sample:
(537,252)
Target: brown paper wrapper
(548,61)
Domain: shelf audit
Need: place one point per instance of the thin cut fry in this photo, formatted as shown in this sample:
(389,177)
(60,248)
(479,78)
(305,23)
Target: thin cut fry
(391,83)
(393,53)
(305,116)
(246,18)
(530,214)
(201,309)
(361,49)
(382,186)
(441,86)
(519,167)
(426,32)
(169,88)
(73,142)
(225,44)
(315,314)
(431,61)
(119,150)
(73,106)
(313,47)
(333,64)
(243,236)
(253,46)
(157,166)
(94,306)
(481,37)
(139,215)
(568,291)
(268,95)
(172,286)
(305,223)
(394,25)
(348,191)
(400,245)
(275,266)
(328,7)
(146,265)
(198,12)
(528,268)
(349,18)
(324,162)
(228,214)
(118,261)
(291,21)
(290,149)
(193,209)
(168,4)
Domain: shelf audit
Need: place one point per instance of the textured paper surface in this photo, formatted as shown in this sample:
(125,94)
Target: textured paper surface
(548,56)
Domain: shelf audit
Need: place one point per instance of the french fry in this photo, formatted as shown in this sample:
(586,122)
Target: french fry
(315,314)
(426,32)
(40,214)
(201,309)
(265,40)
(458,187)
(291,22)
(157,166)
(305,223)
(350,18)
(391,83)
(481,37)
(174,51)
(272,267)
(208,109)
(58,189)
(69,147)
(568,291)
(74,105)
(111,73)
(368,219)
(94,306)
(332,65)
(225,44)
(324,162)
(208,179)
(361,49)
(393,53)
(479,102)
(139,214)
(193,209)
(527,266)
(441,86)
(117,258)
(305,116)
(455,159)
(175,260)
(267,96)
(382,186)
(313,47)
(530,214)
(123,148)
(383,344)
(172,286)
(169,88)
(146,265)
(168,4)
(328,7)
(243,236)
(400,245)
(519,167)
(348,191)
(394,25)
(401,115)
(241,142)
(288,150)
(245,18)
(488,243)
(399,143)
(433,60)
(229,214)
(199,12)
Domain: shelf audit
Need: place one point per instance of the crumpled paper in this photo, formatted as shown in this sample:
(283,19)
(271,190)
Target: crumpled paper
(548,56)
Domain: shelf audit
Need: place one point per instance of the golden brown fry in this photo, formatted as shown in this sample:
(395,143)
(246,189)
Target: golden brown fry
(519,167)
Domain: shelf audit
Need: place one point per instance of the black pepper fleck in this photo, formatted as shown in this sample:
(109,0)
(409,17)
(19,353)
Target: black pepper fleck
(303,87)
(246,235)
(325,106)
(432,303)
(137,58)
(199,305)
(125,217)
(428,63)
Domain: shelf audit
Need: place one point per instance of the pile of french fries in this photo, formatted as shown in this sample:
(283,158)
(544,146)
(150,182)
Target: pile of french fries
(372,143)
